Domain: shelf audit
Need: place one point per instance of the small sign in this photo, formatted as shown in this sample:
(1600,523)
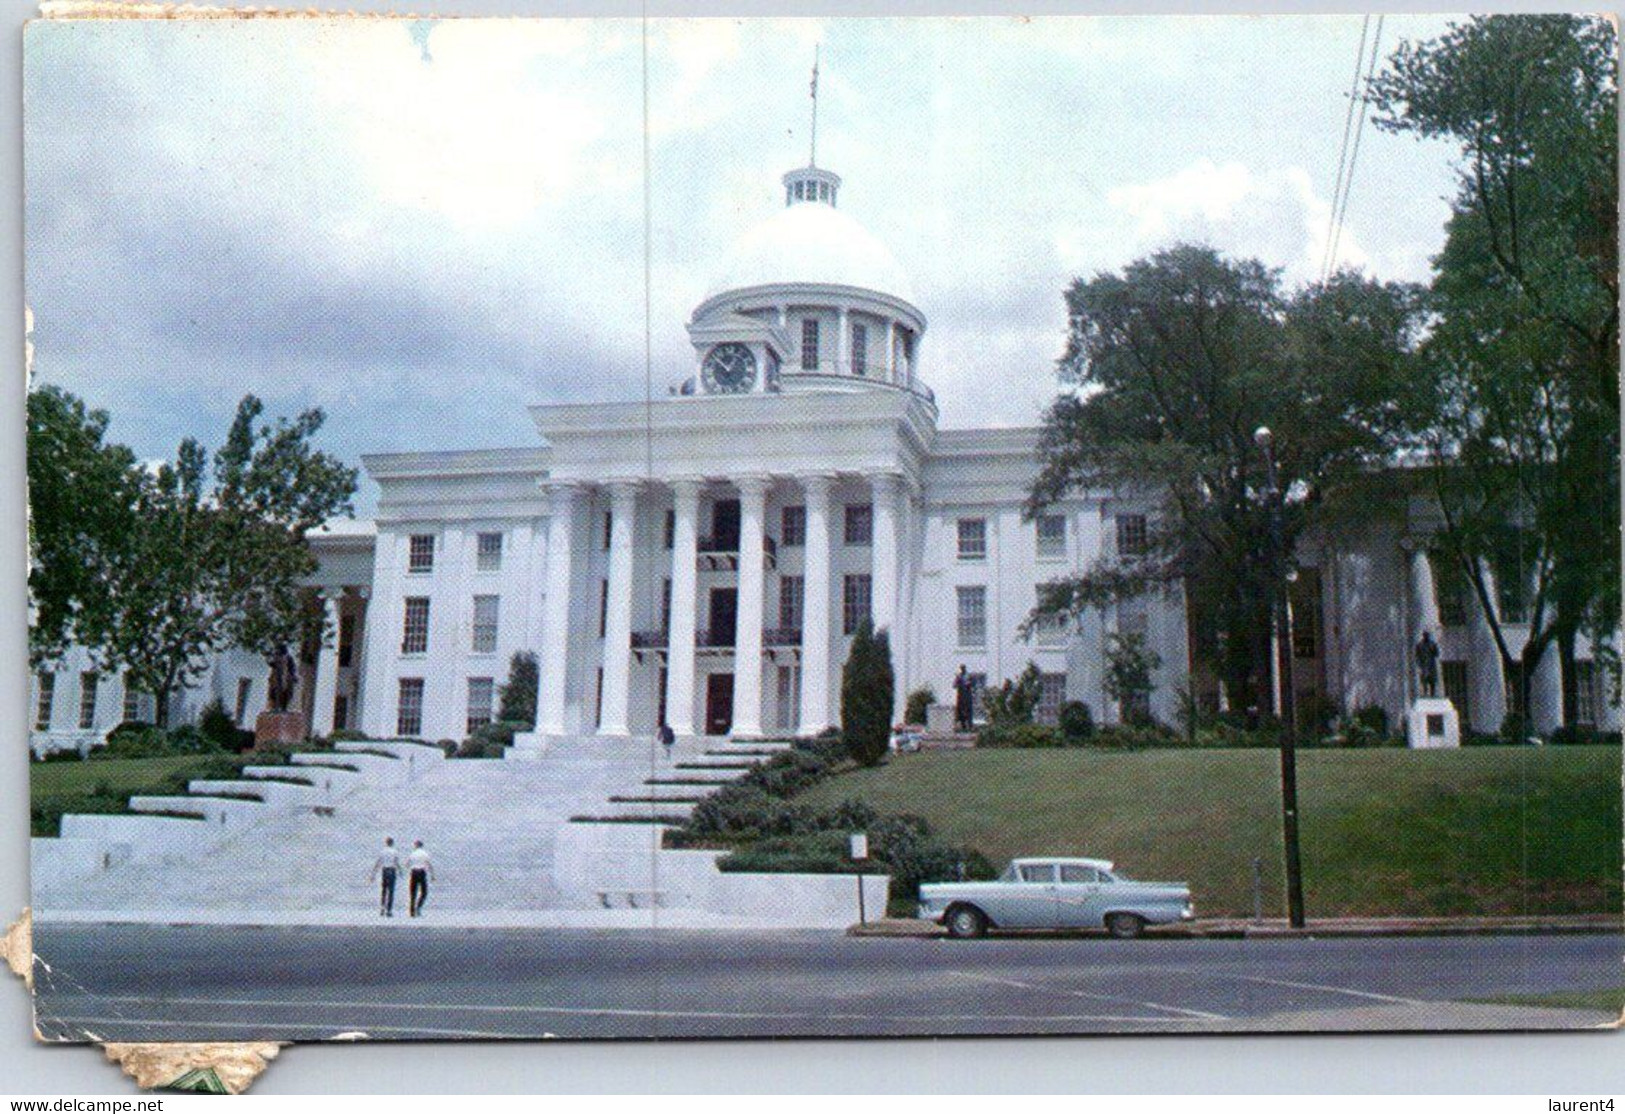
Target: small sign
(860,845)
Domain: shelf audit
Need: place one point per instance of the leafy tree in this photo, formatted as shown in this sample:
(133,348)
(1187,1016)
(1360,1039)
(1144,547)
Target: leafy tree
(1131,666)
(1015,701)
(516,702)
(82,495)
(1518,412)
(866,696)
(1170,366)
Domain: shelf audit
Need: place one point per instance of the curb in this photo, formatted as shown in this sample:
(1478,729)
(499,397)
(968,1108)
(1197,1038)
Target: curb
(1328,929)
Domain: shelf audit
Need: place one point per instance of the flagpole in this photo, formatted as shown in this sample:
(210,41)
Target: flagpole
(812,157)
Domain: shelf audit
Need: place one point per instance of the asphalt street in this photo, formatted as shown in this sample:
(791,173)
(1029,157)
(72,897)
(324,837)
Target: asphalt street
(128,982)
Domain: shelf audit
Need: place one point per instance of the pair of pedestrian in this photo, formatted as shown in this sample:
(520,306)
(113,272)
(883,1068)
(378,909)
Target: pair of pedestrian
(387,866)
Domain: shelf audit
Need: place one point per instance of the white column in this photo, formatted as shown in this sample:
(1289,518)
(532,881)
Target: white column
(684,585)
(891,351)
(815,608)
(883,550)
(1490,691)
(1425,598)
(359,696)
(843,338)
(618,617)
(555,655)
(747,719)
(327,664)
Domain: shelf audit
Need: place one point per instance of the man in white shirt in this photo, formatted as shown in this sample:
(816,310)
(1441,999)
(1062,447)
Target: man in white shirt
(420,870)
(385,867)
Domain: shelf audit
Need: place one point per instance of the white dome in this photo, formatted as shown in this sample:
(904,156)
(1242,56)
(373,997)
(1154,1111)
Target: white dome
(812,242)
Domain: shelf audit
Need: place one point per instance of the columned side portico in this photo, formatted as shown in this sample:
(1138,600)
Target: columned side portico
(623,496)
(684,583)
(327,674)
(815,607)
(550,704)
(747,697)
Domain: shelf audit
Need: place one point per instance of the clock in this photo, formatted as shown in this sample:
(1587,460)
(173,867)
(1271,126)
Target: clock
(729,369)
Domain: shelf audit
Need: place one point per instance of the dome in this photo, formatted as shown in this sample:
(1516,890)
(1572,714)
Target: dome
(813,242)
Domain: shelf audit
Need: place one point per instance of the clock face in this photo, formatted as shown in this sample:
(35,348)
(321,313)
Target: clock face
(729,368)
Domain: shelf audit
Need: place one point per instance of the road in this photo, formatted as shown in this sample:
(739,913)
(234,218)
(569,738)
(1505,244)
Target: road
(127,982)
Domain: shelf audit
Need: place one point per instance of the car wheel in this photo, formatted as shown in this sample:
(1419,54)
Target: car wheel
(966,922)
(1125,926)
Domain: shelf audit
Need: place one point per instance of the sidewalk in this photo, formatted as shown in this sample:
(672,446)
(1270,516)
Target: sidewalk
(1222,928)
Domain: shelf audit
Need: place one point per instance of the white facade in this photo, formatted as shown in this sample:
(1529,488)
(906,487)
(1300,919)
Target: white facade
(705,556)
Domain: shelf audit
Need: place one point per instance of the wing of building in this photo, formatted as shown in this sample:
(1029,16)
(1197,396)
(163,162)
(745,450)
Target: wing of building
(704,559)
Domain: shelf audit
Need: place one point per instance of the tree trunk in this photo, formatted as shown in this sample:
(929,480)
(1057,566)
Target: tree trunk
(1568,678)
(160,707)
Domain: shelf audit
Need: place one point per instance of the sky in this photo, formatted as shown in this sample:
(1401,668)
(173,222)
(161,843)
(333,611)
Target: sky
(425,227)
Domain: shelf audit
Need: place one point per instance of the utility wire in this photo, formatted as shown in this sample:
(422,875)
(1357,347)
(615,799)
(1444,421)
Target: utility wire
(1343,151)
(1341,217)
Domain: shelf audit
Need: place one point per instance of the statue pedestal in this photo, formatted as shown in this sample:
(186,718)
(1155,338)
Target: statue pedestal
(939,719)
(1432,724)
(280,728)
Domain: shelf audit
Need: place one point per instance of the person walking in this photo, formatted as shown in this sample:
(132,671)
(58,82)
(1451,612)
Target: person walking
(384,868)
(962,699)
(419,870)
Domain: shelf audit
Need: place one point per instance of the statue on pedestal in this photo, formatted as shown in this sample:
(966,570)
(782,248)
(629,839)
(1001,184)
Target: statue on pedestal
(1427,664)
(284,679)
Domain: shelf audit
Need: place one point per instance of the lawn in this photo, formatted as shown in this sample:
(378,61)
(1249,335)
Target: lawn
(105,785)
(1485,830)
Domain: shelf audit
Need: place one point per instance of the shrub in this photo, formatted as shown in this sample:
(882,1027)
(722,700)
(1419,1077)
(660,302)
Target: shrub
(1582,736)
(1077,723)
(1130,664)
(215,724)
(489,740)
(1024,736)
(866,696)
(1135,736)
(345,735)
(140,741)
(914,710)
(1015,701)
(516,702)
(1366,726)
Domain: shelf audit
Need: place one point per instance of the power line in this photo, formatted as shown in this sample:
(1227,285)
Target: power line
(1343,151)
(1341,217)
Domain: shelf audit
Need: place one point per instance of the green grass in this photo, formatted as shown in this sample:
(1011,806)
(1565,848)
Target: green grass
(1492,830)
(131,775)
(1610,1000)
(105,786)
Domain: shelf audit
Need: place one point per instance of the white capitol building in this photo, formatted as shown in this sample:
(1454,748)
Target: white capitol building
(705,557)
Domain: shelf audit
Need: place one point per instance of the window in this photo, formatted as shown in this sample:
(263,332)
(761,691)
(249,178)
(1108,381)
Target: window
(138,706)
(43,701)
(480,692)
(415,627)
(1131,536)
(1454,676)
(1512,591)
(87,699)
(1051,695)
(486,611)
(1082,875)
(409,708)
(973,539)
(860,523)
(860,349)
(665,605)
(855,592)
(809,344)
(793,525)
(1051,537)
(789,697)
(598,700)
(488,552)
(420,553)
(1051,631)
(1039,873)
(346,641)
(1305,595)
(792,598)
(245,687)
(609,527)
(978,695)
(1587,693)
(670,535)
(972,613)
(1450,590)
(1509,677)
(603,608)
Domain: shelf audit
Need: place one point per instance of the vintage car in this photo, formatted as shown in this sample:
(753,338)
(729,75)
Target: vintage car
(1055,894)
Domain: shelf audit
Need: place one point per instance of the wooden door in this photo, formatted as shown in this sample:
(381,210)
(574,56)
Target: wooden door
(719,703)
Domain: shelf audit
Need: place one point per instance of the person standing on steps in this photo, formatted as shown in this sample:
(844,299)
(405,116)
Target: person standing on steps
(420,870)
(668,739)
(384,868)
(962,700)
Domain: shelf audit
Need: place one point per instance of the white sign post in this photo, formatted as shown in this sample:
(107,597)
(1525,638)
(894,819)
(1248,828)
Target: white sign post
(860,852)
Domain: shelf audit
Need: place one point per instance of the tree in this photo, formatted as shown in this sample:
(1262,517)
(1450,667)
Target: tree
(1518,414)
(1169,367)
(204,565)
(82,495)
(517,699)
(866,696)
(1015,701)
(1129,680)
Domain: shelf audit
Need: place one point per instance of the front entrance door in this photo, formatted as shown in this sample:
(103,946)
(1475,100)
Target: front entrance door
(725,525)
(724,615)
(719,703)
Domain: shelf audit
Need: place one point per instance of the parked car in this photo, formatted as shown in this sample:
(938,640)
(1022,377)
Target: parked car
(1057,894)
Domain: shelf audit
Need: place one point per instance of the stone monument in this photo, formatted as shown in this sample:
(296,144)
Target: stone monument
(277,725)
(1432,721)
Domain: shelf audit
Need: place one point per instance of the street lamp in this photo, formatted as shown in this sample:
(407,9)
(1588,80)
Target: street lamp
(1282,630)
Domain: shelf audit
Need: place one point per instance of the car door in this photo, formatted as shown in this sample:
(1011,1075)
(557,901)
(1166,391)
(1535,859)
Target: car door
(1030,902)
(1080,897)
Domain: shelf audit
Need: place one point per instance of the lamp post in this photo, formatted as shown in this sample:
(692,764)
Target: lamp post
(1282,624)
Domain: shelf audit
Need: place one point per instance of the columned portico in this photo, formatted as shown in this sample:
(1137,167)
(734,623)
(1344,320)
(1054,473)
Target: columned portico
(550,703)
(327,674)
(684,583)
(623,496)
(747,696)
(815,608)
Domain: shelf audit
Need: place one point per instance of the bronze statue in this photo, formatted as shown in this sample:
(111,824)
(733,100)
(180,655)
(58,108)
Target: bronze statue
(284,677)
(1427,664)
